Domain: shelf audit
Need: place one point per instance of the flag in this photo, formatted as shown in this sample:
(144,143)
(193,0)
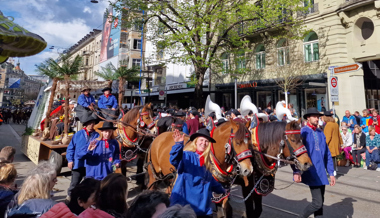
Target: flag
(14,83)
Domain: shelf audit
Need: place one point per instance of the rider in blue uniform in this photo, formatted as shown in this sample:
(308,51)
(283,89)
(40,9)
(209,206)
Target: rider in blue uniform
(107,101)
(85,106)
(181,115)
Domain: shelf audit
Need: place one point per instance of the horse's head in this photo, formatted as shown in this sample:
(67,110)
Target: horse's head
(146,119)
(233,142)
(293,146)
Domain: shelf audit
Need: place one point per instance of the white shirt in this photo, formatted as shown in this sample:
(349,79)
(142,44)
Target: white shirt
(347,139)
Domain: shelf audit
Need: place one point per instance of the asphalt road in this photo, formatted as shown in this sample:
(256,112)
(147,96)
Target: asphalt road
(356,194)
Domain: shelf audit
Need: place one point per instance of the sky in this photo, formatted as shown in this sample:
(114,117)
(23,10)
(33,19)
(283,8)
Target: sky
(62,23)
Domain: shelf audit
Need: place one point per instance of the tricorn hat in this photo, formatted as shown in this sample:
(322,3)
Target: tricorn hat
(107,125)
(203,133)
(107,89)
(311,111)
(88,120)
(221,121)
(85,88)
(180,114)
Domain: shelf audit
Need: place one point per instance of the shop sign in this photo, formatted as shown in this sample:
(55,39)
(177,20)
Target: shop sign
(347,68)
(176,86)
(247,85)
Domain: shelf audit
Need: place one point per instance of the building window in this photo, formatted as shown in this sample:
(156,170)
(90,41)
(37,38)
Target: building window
(310,6)
(86,61)
(283,52)
(311,47)
(137,44)
(136,62)
(240,59)
(260,57)
(225,62)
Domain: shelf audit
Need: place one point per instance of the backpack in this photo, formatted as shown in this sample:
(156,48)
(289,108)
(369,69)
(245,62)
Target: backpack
(372,166)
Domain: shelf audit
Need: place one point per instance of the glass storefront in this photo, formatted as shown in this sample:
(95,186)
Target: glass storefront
(264,99)
(316,98)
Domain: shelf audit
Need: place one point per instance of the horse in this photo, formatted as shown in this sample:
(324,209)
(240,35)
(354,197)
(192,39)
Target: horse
(275,139)
(135,132)
(227,161)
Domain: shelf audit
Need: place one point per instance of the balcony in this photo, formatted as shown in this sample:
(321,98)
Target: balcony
(350,5)
(312,9)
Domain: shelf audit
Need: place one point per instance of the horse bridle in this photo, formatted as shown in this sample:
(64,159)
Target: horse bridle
(231,158)
(294,153)
(141,123)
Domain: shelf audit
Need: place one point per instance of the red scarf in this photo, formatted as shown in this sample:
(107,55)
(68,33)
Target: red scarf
(88,134)
(201,158)
(107,95)
(106,142)
(311,126)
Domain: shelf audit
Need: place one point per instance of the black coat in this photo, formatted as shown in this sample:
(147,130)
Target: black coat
(362,140)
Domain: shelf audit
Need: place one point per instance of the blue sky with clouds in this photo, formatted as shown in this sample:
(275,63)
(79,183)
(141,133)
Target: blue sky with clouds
(62,23)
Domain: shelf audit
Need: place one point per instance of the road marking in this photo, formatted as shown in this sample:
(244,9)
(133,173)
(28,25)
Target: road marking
(15,134)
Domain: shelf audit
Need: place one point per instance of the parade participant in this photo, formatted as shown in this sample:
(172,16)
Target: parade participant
(333,137)
(194,184)
(102,155)
(59,111)
(61,125)
(108,104)
(181,115)
(210,123)
(364,121)
(1,117)
(234,116)
(316,178)
(350,120)
(193,122)
(86,104)
(80,141)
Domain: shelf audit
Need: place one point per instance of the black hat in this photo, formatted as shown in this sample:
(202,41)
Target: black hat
(328,113)
(204,133)
(180,114)
(170,111)
(107,89)
(89,120)
(85,88)
(220,121)
(311,111)
(194,112)
(107,125)
(273,118)
(234,111)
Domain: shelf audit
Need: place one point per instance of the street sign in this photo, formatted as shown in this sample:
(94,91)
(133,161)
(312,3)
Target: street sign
(161,94)
(347,68)
(334,89)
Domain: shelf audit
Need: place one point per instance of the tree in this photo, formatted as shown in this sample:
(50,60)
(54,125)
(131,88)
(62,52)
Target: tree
(122,73)
(192,32)
(66,68)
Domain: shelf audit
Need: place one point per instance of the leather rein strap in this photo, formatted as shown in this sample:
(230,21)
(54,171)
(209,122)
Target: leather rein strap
(299,151)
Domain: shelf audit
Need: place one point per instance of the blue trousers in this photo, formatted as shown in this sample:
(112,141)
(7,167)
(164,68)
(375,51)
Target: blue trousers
(374,156)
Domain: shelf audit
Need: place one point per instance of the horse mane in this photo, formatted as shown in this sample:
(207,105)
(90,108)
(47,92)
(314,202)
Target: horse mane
(270,134)
(131,115)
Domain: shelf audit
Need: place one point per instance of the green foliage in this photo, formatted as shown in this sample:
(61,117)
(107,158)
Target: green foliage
(110,72)
(28,131)
(64,67)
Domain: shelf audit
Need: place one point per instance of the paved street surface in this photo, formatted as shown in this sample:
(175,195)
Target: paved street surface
(356,194)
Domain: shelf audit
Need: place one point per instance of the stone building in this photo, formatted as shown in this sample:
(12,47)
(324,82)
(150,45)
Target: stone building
(343,32)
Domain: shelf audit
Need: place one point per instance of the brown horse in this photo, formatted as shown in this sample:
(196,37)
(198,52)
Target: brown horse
(275,139)
(160,169)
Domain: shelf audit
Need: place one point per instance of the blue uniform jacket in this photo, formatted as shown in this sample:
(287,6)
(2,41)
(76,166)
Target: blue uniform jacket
(85,101)
(364,121)
(99,162)
(351,120)
(79,141)
(104,101)
(185,129)
(319,153)
(194,184)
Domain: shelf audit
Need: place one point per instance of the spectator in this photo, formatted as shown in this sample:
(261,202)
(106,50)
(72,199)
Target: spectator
(359,145)
(373,145)
(111,200)
(193,164)
(34,198)
(358,117)
(177,211)
(8,175)
(347,144)
(291,108)
(374,121)
(46,168)
(333,137)
(349,120)
(364,121)
(80,141)
(345,124)
(103,154)
(193,123)
(8,154)
(83,195)
(150,204)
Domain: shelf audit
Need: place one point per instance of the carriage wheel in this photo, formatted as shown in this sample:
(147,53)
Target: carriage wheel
(56,159)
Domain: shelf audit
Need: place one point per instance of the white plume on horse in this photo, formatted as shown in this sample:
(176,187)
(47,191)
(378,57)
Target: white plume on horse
(212,107)
(246,105)
(281,111)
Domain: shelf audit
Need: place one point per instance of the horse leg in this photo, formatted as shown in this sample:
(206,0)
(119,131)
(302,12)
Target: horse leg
(227,209)
(250,212)
(258,199)
(140,168)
